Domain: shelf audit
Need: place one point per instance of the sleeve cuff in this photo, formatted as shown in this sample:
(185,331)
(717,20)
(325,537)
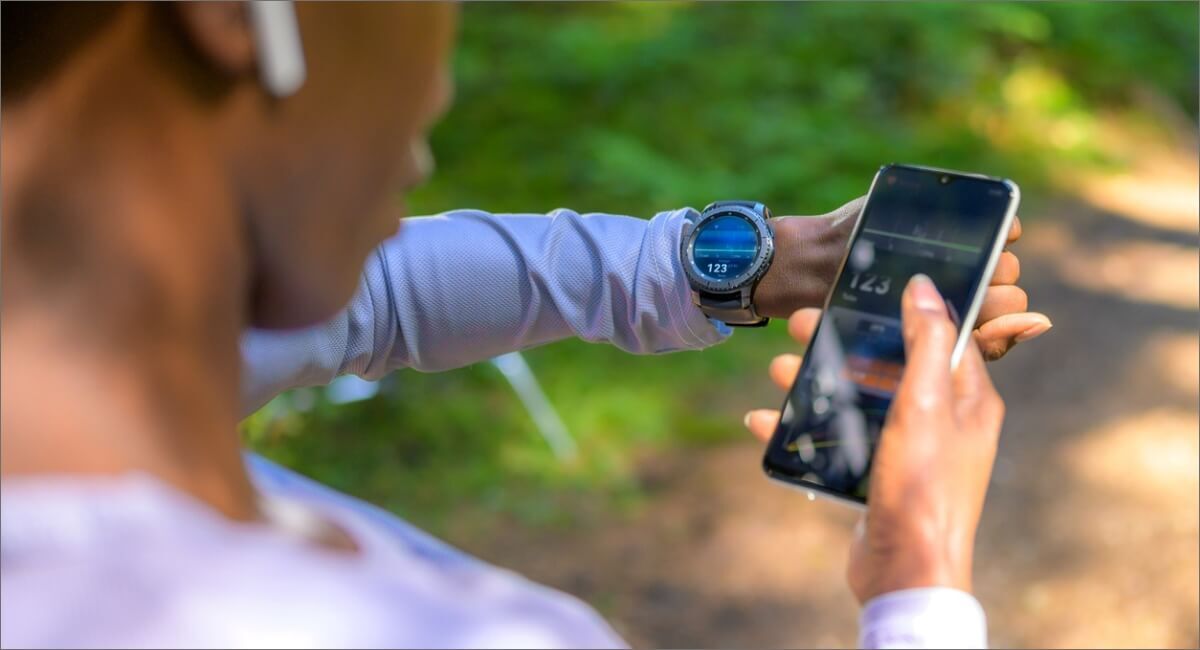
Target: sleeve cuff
(696,328)
(935,617)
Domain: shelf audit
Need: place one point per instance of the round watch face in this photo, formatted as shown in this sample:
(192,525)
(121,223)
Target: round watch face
(725,247)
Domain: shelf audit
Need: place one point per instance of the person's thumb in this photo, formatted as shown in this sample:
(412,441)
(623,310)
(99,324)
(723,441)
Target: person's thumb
(928,346)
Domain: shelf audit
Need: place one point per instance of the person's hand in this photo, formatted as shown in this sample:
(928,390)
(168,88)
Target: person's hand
(807,253)
(934,458)
(809,249)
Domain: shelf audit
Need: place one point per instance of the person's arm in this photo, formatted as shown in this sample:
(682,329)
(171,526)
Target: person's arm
(912,558)
(467,285)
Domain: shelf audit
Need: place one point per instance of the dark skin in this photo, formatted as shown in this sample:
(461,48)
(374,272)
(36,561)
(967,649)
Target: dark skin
(157,201)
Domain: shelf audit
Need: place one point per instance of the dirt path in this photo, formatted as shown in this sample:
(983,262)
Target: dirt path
(1090,534)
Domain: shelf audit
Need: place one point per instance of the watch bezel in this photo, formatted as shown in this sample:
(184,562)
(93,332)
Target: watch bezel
(753,272)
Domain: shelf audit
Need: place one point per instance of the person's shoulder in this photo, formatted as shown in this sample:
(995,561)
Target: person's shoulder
(280,593)
(144,567)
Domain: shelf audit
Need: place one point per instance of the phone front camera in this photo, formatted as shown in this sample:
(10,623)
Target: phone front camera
(944,179)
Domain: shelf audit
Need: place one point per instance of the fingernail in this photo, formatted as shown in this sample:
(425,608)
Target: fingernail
(925,295)
(746,420)
(1034,332)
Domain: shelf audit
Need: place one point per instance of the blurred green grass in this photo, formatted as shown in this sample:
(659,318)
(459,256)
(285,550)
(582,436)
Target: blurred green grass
(636,108)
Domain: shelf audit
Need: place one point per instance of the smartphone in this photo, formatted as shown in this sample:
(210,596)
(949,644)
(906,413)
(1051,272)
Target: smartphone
(949,225)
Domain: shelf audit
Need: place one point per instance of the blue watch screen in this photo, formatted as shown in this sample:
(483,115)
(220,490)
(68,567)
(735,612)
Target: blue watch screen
(724,247)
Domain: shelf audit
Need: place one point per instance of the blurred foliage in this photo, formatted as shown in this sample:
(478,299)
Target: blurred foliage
(645,106)
(636,108)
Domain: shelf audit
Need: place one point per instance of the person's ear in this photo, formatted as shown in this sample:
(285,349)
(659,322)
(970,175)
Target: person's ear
(222,34)
(235,36)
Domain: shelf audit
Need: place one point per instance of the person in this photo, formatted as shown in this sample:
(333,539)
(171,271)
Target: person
(180,241)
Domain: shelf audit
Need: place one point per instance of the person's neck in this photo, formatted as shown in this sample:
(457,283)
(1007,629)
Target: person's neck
(72,410)
(120,346)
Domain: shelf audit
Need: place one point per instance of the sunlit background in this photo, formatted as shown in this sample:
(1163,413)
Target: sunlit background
(662,519)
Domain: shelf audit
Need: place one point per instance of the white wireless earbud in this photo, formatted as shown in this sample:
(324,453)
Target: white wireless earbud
(280,53)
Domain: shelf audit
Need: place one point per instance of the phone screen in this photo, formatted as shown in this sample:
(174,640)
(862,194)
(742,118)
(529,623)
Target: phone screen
(944,225)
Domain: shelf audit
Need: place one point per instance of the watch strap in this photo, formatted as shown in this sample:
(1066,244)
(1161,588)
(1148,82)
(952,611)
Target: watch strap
(734,309)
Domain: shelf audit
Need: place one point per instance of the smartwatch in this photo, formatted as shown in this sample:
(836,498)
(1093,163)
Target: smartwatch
(726,251)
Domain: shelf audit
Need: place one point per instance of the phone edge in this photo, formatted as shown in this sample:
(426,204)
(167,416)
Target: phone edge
(815,494)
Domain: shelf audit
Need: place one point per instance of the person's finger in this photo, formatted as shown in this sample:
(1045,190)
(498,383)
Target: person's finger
(783,370)
(928,344)
(1001,300)
(975,397)
(1014,233)
(1008,269)
(999,335)
(762,423)
(971,380)
(802,323)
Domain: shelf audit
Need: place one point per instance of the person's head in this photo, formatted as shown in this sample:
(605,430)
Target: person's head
(303,186)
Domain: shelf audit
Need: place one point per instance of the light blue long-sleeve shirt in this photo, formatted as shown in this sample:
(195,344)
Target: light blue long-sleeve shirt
(130,561)
(466,286)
